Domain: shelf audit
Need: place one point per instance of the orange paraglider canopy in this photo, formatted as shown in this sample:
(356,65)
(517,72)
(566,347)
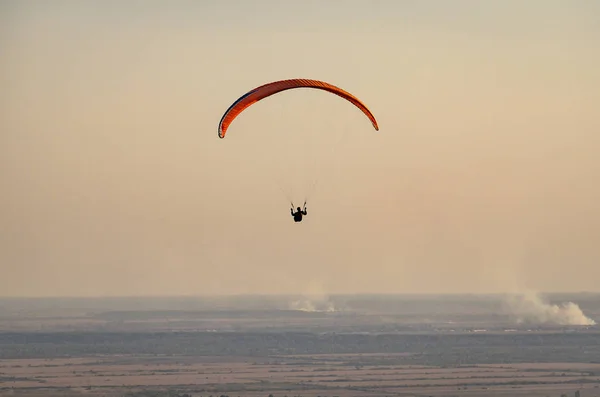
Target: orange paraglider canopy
(269,89)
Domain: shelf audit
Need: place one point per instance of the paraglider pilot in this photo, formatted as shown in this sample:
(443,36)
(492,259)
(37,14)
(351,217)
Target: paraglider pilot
(298,214)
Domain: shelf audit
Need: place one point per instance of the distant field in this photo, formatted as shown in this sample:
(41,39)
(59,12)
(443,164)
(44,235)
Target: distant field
(300,375)
(434,349)
(369,346)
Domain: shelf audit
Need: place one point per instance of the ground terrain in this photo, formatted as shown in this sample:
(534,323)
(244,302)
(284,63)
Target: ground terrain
(296,346)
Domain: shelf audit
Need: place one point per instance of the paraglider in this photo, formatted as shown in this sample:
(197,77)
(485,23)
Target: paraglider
(275,87)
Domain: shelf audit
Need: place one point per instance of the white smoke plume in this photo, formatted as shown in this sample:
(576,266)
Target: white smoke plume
(530,308)
(314,300)
(311,305)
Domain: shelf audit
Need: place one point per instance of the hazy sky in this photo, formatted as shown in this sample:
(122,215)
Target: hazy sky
(483,177)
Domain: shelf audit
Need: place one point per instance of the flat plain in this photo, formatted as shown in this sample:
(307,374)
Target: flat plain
(295,346)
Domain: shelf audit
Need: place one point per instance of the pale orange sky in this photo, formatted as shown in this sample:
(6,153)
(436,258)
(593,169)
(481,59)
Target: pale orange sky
(483,177)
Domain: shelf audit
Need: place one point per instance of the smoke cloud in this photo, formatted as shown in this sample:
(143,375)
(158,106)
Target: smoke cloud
(314,300)
(313,305)
(530,308)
